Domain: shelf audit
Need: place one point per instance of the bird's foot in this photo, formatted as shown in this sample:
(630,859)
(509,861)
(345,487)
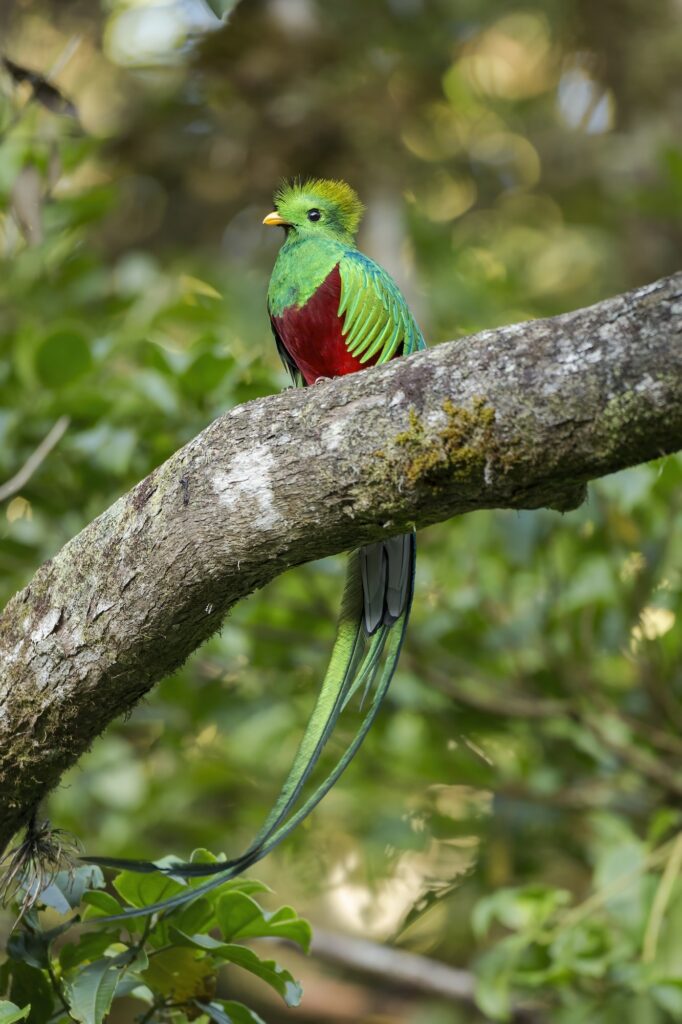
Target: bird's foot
(321,380)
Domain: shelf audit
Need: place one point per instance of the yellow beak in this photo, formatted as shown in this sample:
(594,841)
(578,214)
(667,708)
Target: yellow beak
(273,219)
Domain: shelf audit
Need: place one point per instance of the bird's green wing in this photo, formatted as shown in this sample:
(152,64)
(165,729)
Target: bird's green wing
(376,318)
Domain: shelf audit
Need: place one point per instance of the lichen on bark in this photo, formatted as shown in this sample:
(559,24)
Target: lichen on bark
(460,448)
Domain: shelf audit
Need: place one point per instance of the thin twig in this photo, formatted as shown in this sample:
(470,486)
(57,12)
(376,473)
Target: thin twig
(506,705)
(599,898)
(20,479)
(661,900)
(149,1015)
(65,56)
(645,762)
(59,992)
(54,980)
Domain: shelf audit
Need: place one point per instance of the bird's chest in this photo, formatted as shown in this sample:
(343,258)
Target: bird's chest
(313,333)
(300,269)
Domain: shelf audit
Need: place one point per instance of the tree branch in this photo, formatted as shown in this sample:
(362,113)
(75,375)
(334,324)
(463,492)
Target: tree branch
(518,417)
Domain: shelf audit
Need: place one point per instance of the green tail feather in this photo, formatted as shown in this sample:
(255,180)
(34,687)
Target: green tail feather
(356,660)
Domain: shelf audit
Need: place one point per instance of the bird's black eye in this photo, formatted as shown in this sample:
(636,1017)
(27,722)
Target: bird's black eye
(314,214)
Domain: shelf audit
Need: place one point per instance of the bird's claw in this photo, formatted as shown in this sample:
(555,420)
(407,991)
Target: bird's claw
(321,380)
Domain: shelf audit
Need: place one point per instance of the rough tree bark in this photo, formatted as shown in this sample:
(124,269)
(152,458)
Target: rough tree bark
(519,417)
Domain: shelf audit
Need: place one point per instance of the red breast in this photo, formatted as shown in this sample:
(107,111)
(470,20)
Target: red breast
(313,334)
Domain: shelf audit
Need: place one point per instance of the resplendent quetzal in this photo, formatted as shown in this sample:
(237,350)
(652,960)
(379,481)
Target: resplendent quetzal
(333,312)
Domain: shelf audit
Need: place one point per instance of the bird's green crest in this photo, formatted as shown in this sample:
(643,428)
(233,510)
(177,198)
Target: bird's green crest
(337,199)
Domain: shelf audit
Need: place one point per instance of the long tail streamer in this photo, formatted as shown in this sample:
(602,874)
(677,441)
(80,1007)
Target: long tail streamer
(358,660)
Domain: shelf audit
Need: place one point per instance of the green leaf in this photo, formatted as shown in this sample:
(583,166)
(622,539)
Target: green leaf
(525,907)
(197,917)
(236,911)
(270,972)
(143,890)
(226,1011)
(275,976)
(583,949)
(29,948)
(247,885)
(90,993)
(668,995)
(204,942)
(52,896)
(192,286)
(239,916)
(91,946)
(73,884)
(100,904)
(180,974)
(132,959)
(30,985)
(63,357)
(493,981)
(203,856)
(204,374)
(9,1013)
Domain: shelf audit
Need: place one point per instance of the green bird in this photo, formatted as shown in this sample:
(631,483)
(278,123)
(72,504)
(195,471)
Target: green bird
(333,311)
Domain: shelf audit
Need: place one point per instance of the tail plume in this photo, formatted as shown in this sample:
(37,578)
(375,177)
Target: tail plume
(372,623)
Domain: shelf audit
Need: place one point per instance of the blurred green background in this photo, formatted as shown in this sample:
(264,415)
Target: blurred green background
(514,811)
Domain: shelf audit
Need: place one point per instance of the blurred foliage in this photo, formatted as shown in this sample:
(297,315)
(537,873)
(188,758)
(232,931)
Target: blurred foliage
(515,810)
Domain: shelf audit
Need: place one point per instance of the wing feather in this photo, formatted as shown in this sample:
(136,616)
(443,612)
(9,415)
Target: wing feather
(376,318)
(377,344)
(375,333)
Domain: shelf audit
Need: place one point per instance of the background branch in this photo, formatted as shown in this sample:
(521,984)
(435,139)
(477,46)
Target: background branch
(518,417)
(401,970)
(397,966)
(35,459)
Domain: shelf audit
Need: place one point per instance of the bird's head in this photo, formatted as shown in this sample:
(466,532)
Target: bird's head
(317,208)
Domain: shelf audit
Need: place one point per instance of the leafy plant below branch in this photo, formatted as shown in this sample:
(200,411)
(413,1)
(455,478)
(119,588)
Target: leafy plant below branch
(169,962)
